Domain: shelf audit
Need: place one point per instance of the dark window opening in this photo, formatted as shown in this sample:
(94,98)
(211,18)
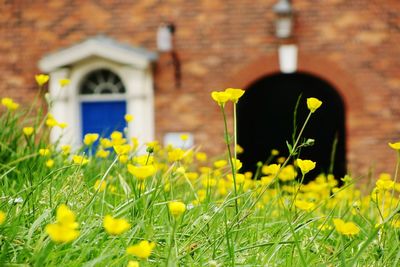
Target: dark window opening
(102,81)
(265,121)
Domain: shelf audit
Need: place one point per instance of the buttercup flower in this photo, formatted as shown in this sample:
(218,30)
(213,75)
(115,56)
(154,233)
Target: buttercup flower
(115,226)
(304,205)
(220,97)
(78,159)
(9,103)
(141,172)
(346,228)
(142,250)
(65,229)
(313,104)
(271,169)
(133,264)
(90,138)
(64,82)
(184,137)
(395,146)
(49,163)
(101,153)
(2,217)
(41,79)
(122,149)
(66,149)
(44,152)
(28,131)
(305,165)
(201,156)
(234,94)
(175,155)
(220,163)
(176,208)
(100,185)
(128,117)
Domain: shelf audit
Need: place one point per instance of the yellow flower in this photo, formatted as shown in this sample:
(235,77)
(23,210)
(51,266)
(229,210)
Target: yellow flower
(9,103)
(201,156)
(395,221)
(105,142)
(28,131)
(142,250)
(304,205)
(115,226)
(49,163)
(239,149)
(234,94)
(100,185)
(60,234)
(90,138)
(62,125)
(220,97)
(77,159)
(64,230)
(274,152)
(116,135)
(143,159)
(271,169)
(346,228)
(123,159)
(305,165)
(237,163)
(384,184)
(287,174)
(176,208)
(133,264)
(129,118)
(313,104)
(101,153)
(2,217)
(220,163)
(135,143)
(395,146)
(175,155)
(51,122)
(41,79)
(64,82)
(239,177)
(184,137)
(141,172)
(44,151)
(192,175)
(122,149)
(66,149)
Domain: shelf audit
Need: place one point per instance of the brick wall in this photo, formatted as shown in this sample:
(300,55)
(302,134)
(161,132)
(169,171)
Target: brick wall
(351,43)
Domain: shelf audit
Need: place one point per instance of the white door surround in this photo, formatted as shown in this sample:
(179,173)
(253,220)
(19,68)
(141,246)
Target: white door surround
(132,65)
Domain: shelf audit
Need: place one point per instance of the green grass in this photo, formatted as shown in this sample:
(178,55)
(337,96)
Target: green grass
(255,223)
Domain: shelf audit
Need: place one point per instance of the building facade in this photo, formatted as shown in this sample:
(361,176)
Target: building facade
(352,45)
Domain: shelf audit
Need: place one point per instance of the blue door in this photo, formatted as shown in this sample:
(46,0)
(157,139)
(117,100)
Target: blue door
(103,117)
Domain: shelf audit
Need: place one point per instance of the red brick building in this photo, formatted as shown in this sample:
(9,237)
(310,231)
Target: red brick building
(351,44)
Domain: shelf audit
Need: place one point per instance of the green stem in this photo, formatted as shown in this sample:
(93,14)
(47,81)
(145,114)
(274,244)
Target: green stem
(233,166)
(234,132)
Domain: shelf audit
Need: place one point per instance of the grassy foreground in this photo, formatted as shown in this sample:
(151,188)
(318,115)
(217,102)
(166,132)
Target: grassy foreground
(106,204)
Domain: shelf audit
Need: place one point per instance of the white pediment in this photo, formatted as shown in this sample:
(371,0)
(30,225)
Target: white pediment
(99,46)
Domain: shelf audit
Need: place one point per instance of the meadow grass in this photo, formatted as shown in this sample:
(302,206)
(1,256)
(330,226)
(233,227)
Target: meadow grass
(193,211)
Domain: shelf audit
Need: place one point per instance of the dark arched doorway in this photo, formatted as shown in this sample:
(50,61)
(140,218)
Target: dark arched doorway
(265,121)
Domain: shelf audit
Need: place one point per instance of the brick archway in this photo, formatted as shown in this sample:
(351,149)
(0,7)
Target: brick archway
(313,64)
(319,66)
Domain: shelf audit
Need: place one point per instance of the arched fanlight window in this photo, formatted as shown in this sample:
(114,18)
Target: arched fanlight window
(102,81)
(103,103)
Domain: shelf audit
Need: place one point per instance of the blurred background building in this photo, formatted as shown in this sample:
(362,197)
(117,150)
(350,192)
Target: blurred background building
(159,60)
